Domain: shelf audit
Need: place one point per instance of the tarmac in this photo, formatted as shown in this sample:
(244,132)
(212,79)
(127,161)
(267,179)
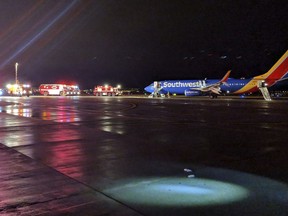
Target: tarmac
(140,156)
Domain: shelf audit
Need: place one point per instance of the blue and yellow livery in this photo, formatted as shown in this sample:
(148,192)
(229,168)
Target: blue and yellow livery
(227,85)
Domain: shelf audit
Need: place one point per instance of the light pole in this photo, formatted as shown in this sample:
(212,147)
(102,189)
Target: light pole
(16,73)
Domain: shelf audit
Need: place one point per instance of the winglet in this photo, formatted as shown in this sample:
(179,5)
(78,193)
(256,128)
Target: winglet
(225,78)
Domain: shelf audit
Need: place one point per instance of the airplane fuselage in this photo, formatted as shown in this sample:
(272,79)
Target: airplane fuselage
(180,86)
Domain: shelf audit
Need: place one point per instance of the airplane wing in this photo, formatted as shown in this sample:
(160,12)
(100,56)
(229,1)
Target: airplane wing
(215,87)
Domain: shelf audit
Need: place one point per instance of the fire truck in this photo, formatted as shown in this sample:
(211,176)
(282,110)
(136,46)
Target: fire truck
(58,89)
(106,91)
(19,89)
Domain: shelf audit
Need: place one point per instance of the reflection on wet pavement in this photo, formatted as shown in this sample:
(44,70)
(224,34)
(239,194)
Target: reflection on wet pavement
(132,148)
(19,111)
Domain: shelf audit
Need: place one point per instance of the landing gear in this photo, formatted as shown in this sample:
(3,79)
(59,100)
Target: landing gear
(213,96)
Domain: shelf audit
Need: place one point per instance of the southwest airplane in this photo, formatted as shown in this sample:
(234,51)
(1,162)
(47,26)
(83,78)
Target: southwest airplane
(228,85)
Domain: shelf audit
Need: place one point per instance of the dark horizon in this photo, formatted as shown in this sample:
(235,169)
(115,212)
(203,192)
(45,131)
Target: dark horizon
(134,43)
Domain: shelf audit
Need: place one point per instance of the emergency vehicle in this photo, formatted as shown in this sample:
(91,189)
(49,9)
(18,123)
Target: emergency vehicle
(106,91)
(58,89)
(19,89)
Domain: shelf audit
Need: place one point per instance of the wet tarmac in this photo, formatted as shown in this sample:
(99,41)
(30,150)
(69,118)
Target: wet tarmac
(140,156)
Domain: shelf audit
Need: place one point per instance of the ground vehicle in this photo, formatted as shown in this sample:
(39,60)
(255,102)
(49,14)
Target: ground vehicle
(72,90)
(19,89)
(106,91)
(58,89)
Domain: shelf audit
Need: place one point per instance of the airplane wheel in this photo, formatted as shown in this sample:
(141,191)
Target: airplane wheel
(213,96)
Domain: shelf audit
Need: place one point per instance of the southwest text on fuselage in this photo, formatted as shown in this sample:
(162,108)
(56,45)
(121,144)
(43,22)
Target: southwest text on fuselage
(200,83)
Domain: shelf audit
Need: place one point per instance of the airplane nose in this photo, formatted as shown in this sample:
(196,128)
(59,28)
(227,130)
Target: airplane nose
(148,89)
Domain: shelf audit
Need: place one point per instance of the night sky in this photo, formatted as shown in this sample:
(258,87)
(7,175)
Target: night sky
(134,42)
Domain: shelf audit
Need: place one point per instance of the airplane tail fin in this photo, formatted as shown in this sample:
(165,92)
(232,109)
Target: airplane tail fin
(277,72)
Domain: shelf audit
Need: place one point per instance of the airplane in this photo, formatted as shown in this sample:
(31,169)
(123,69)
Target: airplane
(214,87)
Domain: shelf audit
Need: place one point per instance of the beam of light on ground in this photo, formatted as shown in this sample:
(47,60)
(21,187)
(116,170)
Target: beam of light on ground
(177,192)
